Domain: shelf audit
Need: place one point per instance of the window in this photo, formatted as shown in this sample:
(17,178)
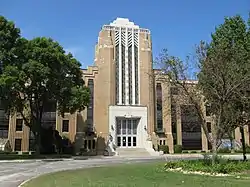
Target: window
(65,127)
(93,144)
(209,127)
(19,125)
(18,144)
(208,110)
(89,144)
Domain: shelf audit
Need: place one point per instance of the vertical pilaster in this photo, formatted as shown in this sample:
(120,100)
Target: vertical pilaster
(178,124)
(120,66)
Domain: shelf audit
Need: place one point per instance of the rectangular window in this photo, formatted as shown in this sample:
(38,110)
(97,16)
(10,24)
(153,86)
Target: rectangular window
(124,141)
(85,144)
(124,129)
(19,124)
(117,73)
(129,141)
(89,144)
(208,110)
(136,74)
(134,141)
(4,127)
(123,75)
(118,127)
(93,144)
(209,127)
(118,141)
(65,126)
(18,144)
(130,73)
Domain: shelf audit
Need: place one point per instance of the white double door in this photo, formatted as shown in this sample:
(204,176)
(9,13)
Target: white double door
(126,132)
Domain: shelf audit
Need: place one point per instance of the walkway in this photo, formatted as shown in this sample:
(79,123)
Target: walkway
(13,174)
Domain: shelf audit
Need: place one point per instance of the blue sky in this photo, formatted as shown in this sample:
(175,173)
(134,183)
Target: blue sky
(175,24)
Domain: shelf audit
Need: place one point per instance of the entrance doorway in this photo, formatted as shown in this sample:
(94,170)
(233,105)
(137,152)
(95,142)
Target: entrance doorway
(126,132)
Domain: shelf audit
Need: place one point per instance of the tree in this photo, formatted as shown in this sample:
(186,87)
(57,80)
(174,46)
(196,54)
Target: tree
(9,41)
(41,72)
(223,75)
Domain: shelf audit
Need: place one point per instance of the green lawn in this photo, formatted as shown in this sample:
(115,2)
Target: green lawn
(128,175)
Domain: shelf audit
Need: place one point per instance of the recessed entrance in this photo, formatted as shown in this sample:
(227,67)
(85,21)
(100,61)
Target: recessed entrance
(126,132)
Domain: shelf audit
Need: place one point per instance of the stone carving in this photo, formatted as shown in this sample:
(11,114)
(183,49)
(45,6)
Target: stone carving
(111,147)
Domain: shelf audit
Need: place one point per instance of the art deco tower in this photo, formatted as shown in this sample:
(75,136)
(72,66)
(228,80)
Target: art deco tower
(124,87)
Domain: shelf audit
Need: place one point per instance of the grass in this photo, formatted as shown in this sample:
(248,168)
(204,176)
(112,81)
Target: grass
(128,175)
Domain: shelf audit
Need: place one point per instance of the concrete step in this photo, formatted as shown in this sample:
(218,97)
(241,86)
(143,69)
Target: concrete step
(132,152)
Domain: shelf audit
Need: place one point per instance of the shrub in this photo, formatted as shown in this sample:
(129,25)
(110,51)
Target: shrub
(164,148)
(25,153)
(224,166)
(184,151)
(177,148)
(224,150)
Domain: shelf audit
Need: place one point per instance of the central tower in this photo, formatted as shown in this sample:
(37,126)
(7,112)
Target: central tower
(124,96)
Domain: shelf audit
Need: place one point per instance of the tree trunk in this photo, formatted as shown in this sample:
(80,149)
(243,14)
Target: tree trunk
(243,143)
(214,151)
(38,143)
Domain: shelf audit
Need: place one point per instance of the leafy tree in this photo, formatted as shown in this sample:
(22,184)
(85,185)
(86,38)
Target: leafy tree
(223,77)
(42,72)
(9,41)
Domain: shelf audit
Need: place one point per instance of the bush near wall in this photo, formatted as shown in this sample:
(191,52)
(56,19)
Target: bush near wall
(163,148)
(177,148)
(247,149)
(221,166)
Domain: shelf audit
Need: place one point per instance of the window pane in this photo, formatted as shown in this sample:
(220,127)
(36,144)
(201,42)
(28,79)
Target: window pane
(134,141)
(118,141)
(134,126)
(124,141)
(93,144)
(129,141)
(129,127)
(118,127)
(89,144)
(19,124)
(124,127)
(65,127)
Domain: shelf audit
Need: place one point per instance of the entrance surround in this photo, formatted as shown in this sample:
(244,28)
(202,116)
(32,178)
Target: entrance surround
(130,112)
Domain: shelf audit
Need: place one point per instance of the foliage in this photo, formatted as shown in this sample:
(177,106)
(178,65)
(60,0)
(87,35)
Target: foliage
(177,148)
(224,150)
(223,78)
(247,149)
(41,72)
(10,42)
(225,74)
(221,166)
(164,148)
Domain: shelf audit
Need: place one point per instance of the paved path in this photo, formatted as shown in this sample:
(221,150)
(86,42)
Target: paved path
(13,174)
